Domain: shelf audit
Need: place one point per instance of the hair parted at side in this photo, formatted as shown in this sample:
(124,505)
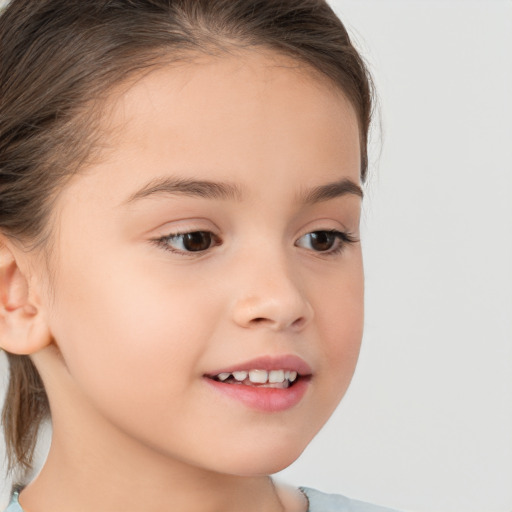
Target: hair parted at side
(60,58)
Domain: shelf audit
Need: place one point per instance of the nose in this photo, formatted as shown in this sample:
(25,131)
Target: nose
(271,298)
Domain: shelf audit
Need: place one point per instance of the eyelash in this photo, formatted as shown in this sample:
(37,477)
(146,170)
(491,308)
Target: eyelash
(164,242)
(342,240)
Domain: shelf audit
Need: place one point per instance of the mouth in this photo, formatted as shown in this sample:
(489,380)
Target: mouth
(276,379)
(268,384)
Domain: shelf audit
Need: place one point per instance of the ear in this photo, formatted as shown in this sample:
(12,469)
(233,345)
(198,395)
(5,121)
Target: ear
(23,326)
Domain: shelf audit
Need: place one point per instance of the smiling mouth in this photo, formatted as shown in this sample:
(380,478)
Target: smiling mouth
(269,384)
(277,379)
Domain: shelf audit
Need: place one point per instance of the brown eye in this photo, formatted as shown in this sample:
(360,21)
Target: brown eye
(322,240)
(197,241)
(329,242)
(194,241)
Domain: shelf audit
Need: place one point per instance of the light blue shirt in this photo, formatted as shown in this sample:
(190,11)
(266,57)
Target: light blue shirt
(322,502)
(318,502)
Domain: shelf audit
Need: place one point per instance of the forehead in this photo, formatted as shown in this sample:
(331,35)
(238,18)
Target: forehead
(208,104)
(266,123)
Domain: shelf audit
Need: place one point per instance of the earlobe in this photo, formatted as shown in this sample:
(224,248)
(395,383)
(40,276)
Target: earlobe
(23,327)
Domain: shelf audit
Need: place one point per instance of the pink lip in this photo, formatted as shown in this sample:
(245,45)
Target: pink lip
(285,362)
(261,398)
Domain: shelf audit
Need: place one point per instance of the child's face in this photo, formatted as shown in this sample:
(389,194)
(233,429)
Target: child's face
(143,325)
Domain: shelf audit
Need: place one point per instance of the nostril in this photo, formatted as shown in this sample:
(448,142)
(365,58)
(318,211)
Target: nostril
(272,312)
(259,320)
(299,322)
(296,324)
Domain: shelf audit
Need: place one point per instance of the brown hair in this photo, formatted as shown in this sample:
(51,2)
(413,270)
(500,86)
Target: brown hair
(59,58)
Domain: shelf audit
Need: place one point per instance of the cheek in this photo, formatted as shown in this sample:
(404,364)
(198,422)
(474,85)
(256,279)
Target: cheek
(340,318)
(129,332)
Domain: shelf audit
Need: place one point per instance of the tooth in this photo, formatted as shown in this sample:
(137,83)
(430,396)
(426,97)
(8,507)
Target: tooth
(293,376)
(276,376)
(287,375)
(240,376)
(258,376)
(277,385)
(223,376)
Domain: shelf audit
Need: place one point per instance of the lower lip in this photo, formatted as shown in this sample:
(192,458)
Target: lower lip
(261,398)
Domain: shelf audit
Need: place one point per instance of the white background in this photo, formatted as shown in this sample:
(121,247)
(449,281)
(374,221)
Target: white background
(427,423)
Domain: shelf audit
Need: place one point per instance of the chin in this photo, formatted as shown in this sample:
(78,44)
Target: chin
(264,461)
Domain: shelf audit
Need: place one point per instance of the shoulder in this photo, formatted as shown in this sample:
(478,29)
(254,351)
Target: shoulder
(322,502)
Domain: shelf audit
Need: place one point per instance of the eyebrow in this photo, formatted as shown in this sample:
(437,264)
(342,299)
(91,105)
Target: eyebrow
(187,187)
(333,190)
(223,190)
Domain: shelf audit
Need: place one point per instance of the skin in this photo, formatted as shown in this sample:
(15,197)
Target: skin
(128,329)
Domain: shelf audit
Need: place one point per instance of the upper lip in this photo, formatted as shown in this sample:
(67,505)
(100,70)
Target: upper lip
(284,362)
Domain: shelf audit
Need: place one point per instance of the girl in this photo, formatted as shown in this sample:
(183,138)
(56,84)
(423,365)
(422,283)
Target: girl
(181,274)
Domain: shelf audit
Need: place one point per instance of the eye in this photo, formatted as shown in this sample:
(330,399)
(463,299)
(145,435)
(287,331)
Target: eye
(331,242)
(193,241)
